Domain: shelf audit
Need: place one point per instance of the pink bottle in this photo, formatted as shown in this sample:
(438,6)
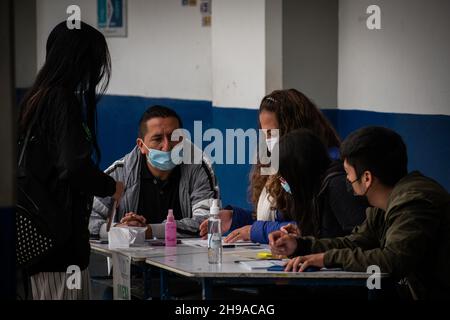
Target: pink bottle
(171,230)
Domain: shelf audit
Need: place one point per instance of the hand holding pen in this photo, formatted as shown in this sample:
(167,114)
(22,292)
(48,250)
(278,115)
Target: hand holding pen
(291,229)
(282,243)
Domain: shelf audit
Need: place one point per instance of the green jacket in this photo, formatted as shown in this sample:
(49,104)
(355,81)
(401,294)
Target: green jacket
(410,241)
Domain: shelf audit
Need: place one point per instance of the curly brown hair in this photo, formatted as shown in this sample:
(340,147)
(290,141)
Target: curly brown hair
(293,110)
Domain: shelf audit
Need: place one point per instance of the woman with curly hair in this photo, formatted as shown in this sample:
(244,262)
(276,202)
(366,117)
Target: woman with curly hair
(285,110)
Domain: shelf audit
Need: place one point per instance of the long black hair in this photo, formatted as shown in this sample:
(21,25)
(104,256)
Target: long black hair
(303,162)
(77,65)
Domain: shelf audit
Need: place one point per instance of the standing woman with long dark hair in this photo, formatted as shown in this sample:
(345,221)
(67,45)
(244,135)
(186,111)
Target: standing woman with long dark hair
(63,153)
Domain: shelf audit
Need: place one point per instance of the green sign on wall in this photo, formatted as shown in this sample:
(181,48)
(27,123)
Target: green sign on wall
(112,17)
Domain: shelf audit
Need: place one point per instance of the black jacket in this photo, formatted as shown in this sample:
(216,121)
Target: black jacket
(60,156)
(340,211)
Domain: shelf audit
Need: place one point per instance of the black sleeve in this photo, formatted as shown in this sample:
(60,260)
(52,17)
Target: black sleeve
(73,155)
(349,210)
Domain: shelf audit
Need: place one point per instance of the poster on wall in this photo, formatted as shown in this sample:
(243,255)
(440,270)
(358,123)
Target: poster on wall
(205,9)
(191,3)
(112,17)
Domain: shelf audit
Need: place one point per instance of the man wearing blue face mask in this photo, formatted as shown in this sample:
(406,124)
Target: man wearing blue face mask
(154,183)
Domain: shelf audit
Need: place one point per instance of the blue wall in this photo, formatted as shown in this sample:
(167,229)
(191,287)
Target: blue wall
(426,136)
(234,179)
(118,118)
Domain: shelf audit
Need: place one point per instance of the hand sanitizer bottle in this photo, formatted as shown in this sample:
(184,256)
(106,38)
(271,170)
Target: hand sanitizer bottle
(214,234)
(171,230)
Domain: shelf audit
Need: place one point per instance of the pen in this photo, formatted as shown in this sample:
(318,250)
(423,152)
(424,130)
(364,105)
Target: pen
(238,261)
(240,245)
(285,231)
(111,215)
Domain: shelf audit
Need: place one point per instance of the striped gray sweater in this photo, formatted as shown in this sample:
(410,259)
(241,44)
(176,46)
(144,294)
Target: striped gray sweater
(198,187)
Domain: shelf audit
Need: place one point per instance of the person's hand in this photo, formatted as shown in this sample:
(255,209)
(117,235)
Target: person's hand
(291,229)
(300,264)
(282,244)
(132,219)
(226,217)
(239,234)
(120,187)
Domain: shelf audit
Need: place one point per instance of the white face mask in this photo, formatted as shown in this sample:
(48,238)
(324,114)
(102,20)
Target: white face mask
(271,142)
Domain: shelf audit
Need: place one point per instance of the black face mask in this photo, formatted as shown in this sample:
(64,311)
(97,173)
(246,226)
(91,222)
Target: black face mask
(349,186)
(361,198)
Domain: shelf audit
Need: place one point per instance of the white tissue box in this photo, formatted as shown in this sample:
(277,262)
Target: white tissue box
(124,237)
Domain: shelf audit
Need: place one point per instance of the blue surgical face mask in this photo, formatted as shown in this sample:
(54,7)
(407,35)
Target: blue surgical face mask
(285,186)
(161,160)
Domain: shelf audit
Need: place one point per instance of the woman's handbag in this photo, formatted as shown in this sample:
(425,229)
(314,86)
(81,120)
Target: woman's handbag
(41,224)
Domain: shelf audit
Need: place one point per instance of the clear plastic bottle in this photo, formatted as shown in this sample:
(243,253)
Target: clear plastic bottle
(171,230)
(214,235)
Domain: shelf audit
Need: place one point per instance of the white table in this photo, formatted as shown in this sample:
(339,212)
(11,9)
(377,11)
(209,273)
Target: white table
(192,262)
(196,266)
(140,253)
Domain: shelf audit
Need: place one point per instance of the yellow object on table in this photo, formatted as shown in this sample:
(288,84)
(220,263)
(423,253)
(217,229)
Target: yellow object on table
(265,255)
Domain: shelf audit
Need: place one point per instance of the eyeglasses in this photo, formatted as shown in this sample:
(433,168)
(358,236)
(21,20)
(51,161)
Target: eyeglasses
(352,182)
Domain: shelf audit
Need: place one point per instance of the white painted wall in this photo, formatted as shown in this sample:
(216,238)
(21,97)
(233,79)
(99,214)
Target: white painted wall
(7,124)
(403,68)
(256,46)
(310,48)
(274,45)
(167,52)
(238,53)
(25,42)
